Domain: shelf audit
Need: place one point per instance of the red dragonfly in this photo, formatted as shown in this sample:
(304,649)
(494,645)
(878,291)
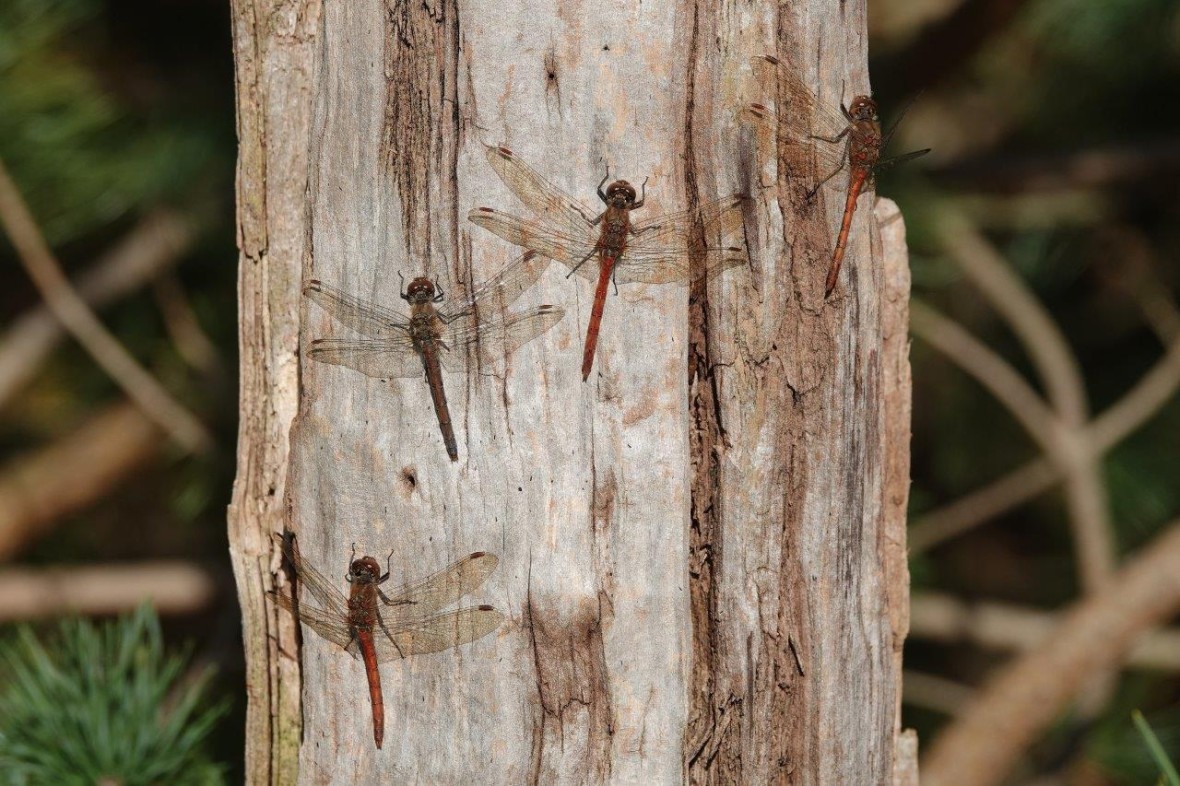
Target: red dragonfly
(660,250)
(433,339)
(861,152)
(410,624)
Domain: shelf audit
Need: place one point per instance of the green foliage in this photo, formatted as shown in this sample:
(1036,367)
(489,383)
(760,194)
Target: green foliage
(1168,772)
(81,156)
(103,704)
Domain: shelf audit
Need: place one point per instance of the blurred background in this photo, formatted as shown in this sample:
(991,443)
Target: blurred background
(1043,235)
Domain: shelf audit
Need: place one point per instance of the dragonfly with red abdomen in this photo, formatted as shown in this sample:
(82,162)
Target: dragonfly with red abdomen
(431,340)
(378,627)
(860,130)
(660,250)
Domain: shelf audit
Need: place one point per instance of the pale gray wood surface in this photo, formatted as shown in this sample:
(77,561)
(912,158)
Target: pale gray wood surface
(701,573)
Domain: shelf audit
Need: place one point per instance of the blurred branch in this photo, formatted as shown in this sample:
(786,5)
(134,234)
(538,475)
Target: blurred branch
(190,340)
(979,746)
(931,692)
(947,619)
(1137,406)
(172,588)
(37,490)
(77,317)
(1085,487)
(965,513)
(155,243)
(988,369)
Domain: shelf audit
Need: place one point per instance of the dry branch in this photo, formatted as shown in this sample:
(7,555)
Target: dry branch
(1002,626)
(156,242)
(38,489)
(979,747)
(171,587)
(76,316)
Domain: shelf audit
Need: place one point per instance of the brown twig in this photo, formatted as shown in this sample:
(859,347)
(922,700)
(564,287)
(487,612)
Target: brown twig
(172,588)
(1136,407)
(979,747)
(77,318)
(191,342)
(155,243)
(1001,626)
(988,369)
(39,489)
(1085,488)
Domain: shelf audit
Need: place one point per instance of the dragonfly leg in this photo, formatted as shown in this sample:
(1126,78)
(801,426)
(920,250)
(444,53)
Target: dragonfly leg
(385,578)
(402,287)
(574,269)
(389,636)
(833,139)
(438,298)
(613,279)
(601,193)
(642,196)
(811,194)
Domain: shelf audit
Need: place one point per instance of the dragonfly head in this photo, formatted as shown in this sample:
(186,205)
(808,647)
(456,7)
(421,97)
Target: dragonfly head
(420,290)
(365,570)
(863,108)
(620,194)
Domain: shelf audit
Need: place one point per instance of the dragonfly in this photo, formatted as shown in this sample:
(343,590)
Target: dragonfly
(860,131)
(434,339)
(379,627)
(659,250)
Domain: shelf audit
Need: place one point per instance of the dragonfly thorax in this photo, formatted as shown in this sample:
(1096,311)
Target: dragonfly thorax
(620,194)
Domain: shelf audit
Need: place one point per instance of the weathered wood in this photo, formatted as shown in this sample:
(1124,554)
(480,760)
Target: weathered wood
(702,548)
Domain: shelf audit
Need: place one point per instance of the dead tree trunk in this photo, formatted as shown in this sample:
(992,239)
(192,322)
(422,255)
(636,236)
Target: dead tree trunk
(702,549)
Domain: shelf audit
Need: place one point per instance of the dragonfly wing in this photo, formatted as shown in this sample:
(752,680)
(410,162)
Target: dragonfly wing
(364,317)
(501,290)
(539,195)
(675,266)
(323,590)
(720,217)
(568,249)
(382,358)
(428,595)
(828,156)
(328,625)
(497,337)
(801,108)
(901,159)
(434,634)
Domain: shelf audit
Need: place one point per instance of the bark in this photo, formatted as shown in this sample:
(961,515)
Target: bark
(702,548)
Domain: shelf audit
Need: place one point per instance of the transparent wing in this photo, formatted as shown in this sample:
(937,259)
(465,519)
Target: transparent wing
(428,595)
(829,156)
(382,358)
(501,290)
(569,249)
(804,114)
(675,266)
(436,633)
(548,201)
(328,625)
(358,315)
(721,218)
(496,337)
(323,590)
